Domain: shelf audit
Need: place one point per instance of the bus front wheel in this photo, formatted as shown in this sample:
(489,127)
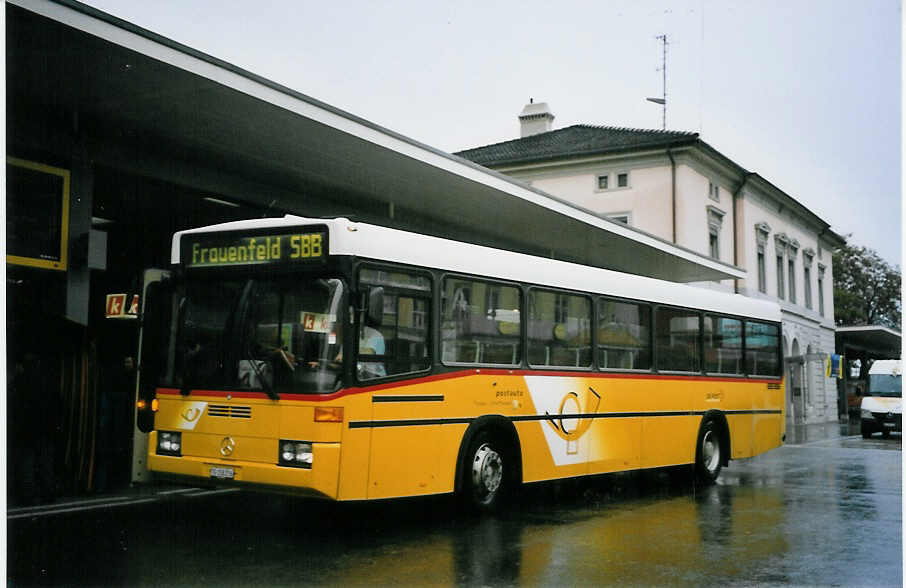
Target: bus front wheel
(708,453)
(486,472)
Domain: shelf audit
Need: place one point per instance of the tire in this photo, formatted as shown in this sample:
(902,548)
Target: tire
(885,433)
(487,472)
(708,453)
(866,431)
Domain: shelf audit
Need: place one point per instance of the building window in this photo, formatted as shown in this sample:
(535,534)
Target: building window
(561,308)
(762,282)
(807,275)
(492,298)
(603,181)
(713,244)
(780,288)
(807,256)
(713,191)
(821,290)
(715,221)
(792,279)
(792,250)
(762,230)
(781,246)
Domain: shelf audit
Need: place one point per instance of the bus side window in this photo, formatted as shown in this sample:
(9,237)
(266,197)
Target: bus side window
(399,342)
(624,335)
(723,345)
(762,349)
(678,334)
(480,322)
(559,329)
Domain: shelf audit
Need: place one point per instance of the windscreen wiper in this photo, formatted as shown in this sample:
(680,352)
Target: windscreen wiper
(268,387)
(243,320)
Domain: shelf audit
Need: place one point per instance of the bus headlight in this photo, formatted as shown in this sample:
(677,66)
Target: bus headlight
(866,414)
(169,443)
(295,454)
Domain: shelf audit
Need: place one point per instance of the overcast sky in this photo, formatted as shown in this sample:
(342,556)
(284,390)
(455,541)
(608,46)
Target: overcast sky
(806,93)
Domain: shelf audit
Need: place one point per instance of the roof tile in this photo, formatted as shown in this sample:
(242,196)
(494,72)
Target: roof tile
(577,140)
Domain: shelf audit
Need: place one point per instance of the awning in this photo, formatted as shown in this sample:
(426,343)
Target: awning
(140,101)
(876,341)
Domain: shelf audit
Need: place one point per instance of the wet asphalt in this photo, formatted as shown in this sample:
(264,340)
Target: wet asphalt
(825,509)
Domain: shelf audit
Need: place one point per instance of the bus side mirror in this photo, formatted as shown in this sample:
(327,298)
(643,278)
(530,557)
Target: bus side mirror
(375,313)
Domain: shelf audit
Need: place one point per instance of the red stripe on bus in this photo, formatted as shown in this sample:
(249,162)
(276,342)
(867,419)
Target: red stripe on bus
(467,373)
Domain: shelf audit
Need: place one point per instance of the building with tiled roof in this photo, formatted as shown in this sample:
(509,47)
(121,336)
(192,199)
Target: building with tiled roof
(677,187)
(572,142)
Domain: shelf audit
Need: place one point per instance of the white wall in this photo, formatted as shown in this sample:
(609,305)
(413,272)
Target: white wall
(800,324)
(647,197)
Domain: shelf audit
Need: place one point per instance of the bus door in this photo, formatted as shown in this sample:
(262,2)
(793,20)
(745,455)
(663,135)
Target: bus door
(154,333)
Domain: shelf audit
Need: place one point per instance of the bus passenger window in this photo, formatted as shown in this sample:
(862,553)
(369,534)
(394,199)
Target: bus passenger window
(723,345)
(624,335)
(559,330)
(762,349)
(480,323)
(678,336)
(400,343)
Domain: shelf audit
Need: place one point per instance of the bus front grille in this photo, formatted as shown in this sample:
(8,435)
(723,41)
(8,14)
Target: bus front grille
(229,411)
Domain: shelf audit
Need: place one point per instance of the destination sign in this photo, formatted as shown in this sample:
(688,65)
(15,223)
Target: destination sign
(231,249)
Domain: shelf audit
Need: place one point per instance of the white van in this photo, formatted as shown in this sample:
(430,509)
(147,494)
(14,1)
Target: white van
(882,405)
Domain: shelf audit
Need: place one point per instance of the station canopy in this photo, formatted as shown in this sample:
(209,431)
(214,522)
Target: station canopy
(874,341)
(141,102)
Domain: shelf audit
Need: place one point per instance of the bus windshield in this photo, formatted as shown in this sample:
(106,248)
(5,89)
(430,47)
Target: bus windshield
(276,335)
(885,385)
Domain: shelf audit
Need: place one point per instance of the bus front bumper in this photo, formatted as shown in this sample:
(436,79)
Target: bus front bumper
(320,479)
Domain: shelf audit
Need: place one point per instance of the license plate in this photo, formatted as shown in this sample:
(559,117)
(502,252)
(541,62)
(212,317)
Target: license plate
(223,473)
(890,425)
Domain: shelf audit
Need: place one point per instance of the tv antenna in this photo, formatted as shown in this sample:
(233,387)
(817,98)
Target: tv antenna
(663,69)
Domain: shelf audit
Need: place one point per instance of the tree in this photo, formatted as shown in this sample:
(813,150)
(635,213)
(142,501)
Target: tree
(866,288)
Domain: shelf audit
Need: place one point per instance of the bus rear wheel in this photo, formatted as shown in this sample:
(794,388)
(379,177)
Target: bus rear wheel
(708,453)
(486,473)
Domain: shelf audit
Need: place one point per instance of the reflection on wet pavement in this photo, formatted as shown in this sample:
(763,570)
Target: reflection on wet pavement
(814,513)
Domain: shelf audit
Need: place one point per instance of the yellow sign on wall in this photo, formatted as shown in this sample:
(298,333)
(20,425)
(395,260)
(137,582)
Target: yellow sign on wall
(37,214)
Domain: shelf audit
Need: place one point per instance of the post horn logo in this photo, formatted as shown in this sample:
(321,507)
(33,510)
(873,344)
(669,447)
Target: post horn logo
(191,413)
(227,446)
(574,420)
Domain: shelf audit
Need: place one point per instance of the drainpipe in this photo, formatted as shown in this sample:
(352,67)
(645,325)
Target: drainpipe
(672,190)
(736,226)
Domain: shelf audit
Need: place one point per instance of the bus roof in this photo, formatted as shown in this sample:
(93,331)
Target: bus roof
(365,240)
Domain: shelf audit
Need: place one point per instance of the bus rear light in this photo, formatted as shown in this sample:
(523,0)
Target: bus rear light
(141,404)
(295,454)
(169,443)
(328,414)
(155,405)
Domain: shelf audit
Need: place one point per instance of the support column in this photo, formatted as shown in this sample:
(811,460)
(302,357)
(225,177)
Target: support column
(78,277)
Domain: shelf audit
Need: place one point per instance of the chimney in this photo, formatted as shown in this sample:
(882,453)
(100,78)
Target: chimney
(535,118)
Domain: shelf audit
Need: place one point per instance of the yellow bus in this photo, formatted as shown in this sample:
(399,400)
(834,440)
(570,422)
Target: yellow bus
(353,362)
